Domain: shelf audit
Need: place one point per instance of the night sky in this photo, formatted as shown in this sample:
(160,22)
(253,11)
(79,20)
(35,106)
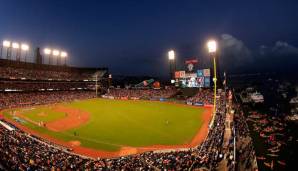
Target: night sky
(133,37)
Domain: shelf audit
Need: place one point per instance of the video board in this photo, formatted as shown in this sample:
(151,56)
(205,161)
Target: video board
(200,78)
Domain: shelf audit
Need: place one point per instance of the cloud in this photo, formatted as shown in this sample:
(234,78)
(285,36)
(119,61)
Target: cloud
(234,54)
(283,48)
(280,49)
(282,56)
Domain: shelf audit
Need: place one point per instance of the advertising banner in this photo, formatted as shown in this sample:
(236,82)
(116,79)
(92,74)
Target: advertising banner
(198,104)
(189,103)
(182,74)
(200,73)
(206,72)
(200,81)
(207,82)
(190,75)
(177,74)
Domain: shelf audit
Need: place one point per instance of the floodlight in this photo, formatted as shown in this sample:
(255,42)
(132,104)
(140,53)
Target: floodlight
(63,54)
(47,51)
(25,47)
(56,52)
(6,43)
(15,45)
(171,55)
(211,44)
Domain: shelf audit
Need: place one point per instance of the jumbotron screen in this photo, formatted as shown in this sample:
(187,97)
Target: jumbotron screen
(192,82)
(201,78)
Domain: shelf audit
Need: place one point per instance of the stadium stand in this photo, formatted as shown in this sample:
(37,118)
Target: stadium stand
(18,76)
(203,96)
(14,70)
(29,84)
(21,151)
(142,93)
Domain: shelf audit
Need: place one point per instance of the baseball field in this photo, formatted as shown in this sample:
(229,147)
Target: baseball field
(105,127)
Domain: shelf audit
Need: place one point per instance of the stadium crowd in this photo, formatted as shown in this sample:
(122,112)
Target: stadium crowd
(204,96)
(19,99)
(21,151)
(10,72)
(142,93)
(43,85)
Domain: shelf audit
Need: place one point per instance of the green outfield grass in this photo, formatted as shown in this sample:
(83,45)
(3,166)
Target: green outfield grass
(116,123)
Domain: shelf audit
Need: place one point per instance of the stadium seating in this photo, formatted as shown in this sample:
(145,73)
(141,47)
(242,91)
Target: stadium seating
(21,151)
(142,93)
(26,85)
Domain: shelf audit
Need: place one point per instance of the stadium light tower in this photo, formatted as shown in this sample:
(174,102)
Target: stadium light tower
(48,53)
(5,44)
(56,53)
(64,56)
(25,48)
(212,48)
(172,61)
(16,46)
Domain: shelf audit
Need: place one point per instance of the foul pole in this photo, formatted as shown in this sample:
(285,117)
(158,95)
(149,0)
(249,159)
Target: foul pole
(96,85)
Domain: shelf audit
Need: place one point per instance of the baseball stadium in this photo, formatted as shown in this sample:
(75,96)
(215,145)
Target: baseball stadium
(148,85)
(58,116)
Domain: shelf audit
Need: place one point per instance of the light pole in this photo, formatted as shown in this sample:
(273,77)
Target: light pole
(48,52)
(212,47)
(25,48)
(171,56)
(16,46)
(63,56)
(7,45)
(56,53)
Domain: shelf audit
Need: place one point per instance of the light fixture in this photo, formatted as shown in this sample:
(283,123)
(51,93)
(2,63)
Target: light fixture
(6,43)
(56,52)
(25,47)
(63,54)
(47,51)
(15,45)
(171,55)
(212,45)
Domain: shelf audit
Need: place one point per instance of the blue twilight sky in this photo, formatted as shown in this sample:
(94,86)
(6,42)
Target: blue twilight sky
(133,36)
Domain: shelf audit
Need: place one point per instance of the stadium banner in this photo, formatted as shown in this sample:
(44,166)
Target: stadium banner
(190,65)
(189,103)
(162,99)
(206,81)
(191,61)
(208,105)
(190,75)
(124,98)
(107,97)
(182,74)
(200,81)
(198,104)
(177,74)
(200,73)
(206,72)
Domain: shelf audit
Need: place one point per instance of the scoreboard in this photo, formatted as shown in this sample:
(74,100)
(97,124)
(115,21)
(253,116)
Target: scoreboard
(200,78)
